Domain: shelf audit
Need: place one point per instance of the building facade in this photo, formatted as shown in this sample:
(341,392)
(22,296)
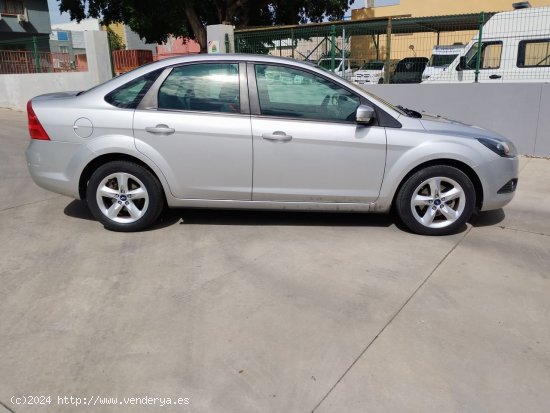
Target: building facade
(422,8)
(131,39)
(405,45)
(24,25)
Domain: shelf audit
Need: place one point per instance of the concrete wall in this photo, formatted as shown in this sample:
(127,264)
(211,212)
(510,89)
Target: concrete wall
(134,42)
(516,111)
(17,89)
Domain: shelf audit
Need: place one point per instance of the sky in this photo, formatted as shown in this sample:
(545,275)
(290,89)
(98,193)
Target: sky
(57,18)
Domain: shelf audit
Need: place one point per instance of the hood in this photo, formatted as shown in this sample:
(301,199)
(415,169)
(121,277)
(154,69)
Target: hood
(439,124)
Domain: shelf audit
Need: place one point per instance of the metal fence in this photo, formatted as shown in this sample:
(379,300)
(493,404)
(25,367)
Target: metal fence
(32,55)
(126,60)
(515,46)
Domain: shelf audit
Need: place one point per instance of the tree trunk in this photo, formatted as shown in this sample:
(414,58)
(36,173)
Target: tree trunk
(198,29)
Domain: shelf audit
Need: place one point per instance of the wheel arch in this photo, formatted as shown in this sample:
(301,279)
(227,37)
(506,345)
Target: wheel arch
(106,158)
(446,162)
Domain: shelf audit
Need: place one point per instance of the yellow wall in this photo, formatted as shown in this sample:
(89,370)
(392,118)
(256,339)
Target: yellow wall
(118,29)
(421,8)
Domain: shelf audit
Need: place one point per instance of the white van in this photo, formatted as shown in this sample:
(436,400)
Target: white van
(442,57)
(515,47)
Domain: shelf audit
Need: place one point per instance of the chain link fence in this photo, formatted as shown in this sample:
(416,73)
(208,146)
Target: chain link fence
(515,46)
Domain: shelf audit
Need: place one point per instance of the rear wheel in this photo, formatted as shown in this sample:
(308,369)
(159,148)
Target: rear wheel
(124,196)
(436,200)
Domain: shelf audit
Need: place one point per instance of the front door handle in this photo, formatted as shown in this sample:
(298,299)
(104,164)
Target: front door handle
(495,77)
(277,136)
(160,130)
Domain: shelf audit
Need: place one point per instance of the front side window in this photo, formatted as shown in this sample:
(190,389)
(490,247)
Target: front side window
(205,87)
(292,93)
(490,56)
(129,95)
(534,53)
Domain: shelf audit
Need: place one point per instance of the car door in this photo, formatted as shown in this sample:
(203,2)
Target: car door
(490,68)
(195,125)
(307,145)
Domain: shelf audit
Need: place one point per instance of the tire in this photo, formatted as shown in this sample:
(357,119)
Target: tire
(124,196)
(437,200)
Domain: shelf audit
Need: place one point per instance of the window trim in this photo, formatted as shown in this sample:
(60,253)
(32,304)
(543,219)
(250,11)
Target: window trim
(255,108)
(150,100)
(138,103)
(522,54)
(483,43)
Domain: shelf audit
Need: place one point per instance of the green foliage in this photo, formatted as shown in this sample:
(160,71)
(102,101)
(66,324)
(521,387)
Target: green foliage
(156,19)
(115,41)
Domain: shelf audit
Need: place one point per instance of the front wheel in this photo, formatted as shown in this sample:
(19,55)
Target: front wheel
(124,196)
(436,200)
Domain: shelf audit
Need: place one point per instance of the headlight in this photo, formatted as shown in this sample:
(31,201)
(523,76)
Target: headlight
(502,148)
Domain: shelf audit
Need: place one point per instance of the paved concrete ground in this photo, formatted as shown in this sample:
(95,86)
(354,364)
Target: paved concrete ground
(272,312)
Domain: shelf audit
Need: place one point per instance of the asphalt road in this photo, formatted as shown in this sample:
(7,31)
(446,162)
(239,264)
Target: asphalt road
(270,312)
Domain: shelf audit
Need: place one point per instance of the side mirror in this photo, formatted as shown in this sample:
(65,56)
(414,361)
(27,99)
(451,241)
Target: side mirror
(461,64)
(364,115)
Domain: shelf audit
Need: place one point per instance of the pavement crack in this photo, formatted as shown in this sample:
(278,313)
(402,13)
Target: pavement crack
(30,203)
(6,407)
(524,231)
(390,320)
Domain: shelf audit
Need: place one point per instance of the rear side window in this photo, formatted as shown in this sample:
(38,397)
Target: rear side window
(129,95)
(534,53)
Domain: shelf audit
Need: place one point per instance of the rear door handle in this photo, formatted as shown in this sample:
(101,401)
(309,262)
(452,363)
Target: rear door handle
(160,130)
(277,136)
(495,77)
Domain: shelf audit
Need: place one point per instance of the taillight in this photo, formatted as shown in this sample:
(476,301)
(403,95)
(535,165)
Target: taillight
(36,131)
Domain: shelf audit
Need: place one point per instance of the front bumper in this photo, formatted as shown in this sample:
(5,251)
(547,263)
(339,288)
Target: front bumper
(496,177)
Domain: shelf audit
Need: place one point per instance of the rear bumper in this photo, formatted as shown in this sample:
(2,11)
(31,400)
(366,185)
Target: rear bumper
(496,177)
(55,166)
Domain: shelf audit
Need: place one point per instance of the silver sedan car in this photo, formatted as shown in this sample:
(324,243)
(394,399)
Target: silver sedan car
(259,132)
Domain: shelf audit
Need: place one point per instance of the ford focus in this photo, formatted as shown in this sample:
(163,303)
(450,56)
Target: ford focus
(260,132)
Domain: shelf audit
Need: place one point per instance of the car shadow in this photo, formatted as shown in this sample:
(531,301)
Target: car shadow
(78,209)
(488,218)
(186,216)
(279,218)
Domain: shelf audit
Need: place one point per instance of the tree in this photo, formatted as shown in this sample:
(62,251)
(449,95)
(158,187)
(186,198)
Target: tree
(156,19)
(115,41)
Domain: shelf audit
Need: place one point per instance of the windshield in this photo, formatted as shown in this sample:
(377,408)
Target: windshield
(412,65)
(373,66)
(442,60)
